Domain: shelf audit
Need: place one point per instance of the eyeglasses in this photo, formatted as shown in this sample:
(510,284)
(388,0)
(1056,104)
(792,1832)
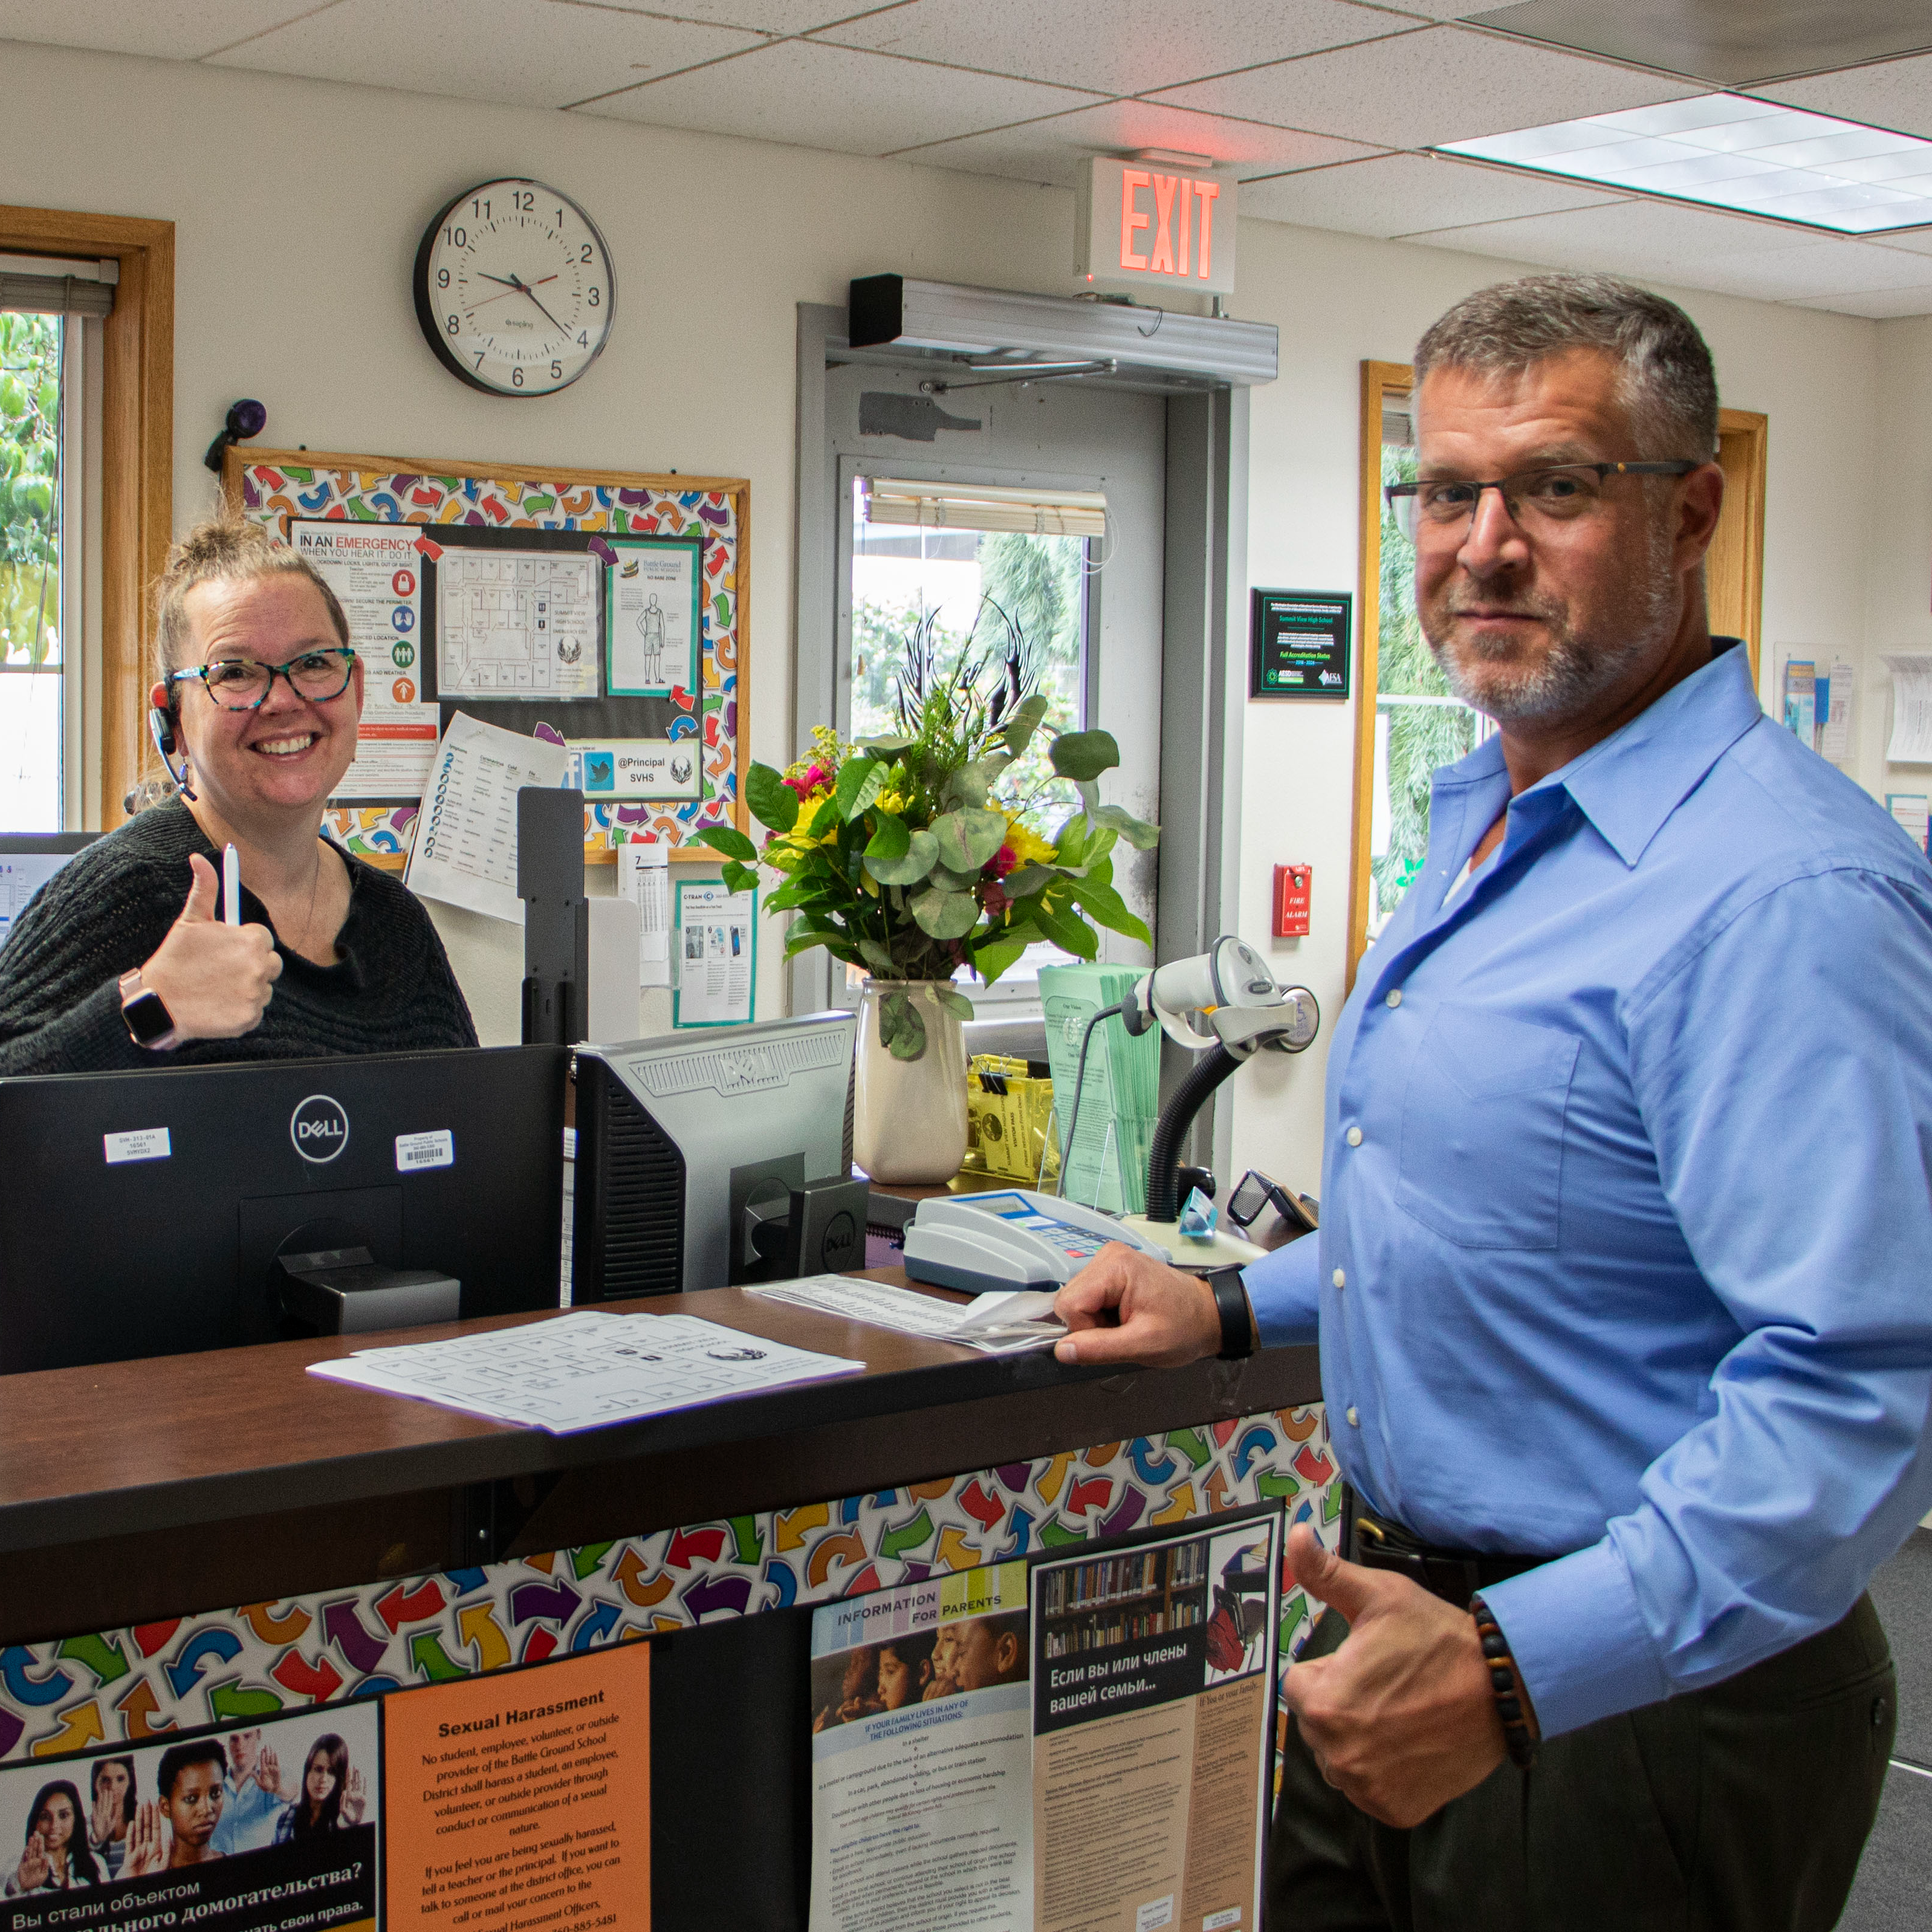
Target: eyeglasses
(240,684)
(1433,511)
(1257,1191)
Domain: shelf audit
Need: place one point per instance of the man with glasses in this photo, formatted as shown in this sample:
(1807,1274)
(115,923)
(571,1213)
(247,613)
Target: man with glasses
(1621,1282)
(256,704)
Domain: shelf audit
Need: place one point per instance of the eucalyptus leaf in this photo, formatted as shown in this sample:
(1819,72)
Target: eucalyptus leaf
(773,802)
(890,838)
(1084,755)
(878,957)
(922,854)
(968,838)
(955,1002)
(1140,834)
(1025,879)
(889,748)
(970,783)
(948,881)
(902,1027)
(1024,722)
(728,840)
(944,915)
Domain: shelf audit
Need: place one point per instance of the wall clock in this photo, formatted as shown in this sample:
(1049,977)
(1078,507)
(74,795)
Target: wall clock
(514,288)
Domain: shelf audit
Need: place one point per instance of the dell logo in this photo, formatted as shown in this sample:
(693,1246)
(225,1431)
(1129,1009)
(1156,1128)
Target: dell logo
(319,1128)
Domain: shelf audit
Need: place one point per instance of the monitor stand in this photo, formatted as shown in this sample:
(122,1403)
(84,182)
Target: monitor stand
(344,1291)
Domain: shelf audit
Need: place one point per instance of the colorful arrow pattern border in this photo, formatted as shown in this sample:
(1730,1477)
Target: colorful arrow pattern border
(135,1684)
(273,493)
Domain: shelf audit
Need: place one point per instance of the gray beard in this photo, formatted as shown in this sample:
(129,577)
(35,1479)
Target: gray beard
(1574,673)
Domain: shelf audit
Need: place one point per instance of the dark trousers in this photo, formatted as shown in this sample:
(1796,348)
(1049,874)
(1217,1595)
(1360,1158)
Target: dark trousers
(1742,1807)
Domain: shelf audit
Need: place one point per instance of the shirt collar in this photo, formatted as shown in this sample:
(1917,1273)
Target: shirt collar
(1629,784)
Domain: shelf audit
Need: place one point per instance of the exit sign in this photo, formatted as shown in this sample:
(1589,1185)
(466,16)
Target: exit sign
(1144,225)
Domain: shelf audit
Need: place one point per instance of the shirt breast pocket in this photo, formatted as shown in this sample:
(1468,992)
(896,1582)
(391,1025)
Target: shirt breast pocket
(1483,1126)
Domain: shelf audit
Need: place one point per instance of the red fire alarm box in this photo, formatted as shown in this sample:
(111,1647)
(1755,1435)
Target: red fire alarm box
(1290,901)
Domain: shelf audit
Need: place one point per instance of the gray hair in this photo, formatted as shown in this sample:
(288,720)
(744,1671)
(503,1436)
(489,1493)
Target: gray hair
(1668,384)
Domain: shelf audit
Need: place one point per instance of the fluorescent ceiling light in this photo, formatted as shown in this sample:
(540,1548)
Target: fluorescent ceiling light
(1753,157)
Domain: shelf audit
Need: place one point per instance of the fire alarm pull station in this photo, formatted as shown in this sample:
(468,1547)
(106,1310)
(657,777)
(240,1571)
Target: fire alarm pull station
(1290,901)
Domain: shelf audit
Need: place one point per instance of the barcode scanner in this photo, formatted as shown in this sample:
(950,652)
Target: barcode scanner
(161,725)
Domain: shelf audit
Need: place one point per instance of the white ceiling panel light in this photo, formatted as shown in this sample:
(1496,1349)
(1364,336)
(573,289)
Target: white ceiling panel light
(1749,156)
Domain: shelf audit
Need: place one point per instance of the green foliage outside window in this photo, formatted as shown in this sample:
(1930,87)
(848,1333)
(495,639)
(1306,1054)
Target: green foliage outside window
(30,488)
(1421,737)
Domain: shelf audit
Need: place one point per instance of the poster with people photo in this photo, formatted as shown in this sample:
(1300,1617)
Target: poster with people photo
(261,1828)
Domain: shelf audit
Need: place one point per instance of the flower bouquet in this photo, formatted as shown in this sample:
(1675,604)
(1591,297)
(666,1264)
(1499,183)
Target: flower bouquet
(902,855)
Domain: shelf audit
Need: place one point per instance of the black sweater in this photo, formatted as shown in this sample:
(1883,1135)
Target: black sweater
(109,907)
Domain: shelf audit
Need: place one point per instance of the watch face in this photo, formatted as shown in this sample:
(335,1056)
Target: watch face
(147,1020)
(514,289)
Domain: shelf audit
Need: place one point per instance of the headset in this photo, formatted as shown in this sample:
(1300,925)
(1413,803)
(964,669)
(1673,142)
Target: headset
(161,724)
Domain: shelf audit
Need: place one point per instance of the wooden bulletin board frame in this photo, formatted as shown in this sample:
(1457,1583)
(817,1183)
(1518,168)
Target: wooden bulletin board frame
(270,486)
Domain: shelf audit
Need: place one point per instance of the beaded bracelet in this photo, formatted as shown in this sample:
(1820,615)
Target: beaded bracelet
(1505,1685)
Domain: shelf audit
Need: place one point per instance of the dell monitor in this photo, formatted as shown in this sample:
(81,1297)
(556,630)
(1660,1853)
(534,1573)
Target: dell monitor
(28,860)
(707,1160)
(156,1213)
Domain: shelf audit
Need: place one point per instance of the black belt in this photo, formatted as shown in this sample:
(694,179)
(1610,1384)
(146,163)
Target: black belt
(1453,1575)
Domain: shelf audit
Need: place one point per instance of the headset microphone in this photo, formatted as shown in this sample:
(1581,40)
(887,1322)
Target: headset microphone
(161,724)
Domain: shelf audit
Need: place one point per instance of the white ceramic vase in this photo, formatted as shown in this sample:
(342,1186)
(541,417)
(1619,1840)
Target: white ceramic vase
(909,1120)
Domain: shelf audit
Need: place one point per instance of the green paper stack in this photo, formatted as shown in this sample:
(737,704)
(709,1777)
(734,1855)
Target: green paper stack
(1106,1166)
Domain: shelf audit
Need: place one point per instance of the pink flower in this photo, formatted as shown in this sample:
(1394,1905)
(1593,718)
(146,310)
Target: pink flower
(809,782)
(993,898)
(1002,862)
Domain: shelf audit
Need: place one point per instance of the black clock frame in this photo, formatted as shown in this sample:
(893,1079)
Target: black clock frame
(426,315)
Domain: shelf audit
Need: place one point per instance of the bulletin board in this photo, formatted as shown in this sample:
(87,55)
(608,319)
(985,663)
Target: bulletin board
(649,690)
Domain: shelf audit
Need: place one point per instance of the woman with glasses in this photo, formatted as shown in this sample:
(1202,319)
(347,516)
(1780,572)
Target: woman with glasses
(123,960)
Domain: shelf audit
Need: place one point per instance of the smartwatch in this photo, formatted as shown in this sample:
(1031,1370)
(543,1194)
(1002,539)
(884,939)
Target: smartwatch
(1239,1339)
(149,1023)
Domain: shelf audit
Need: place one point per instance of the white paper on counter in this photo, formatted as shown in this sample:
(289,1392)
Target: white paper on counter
(643,874)
(997,1325)
(587,1369)
(1911,709)
(465,849)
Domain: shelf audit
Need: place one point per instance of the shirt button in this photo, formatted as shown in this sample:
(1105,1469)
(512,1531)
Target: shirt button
(1394,997)
(1339,1278)
(1354,1136)
(1355,1420)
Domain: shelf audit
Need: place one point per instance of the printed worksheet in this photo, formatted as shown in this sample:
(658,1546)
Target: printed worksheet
(715,930)
(376,572)
(643,874)
(465,851)
(517,623)
(586,1369)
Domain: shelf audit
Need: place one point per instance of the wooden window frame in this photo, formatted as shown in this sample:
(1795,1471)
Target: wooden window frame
(1734,574)
(136,456)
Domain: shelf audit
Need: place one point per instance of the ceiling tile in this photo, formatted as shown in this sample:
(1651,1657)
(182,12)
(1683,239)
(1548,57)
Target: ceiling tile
(1914,241)
(1052,151)
(1881,305)
(821,97)
(1728,41)
(1119,47)
(161,29)
(485,49)
(1398,194)
(1893,94)
(763,17)
(1435,84)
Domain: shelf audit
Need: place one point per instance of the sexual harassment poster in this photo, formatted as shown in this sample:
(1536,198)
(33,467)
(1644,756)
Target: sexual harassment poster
(1079,1743)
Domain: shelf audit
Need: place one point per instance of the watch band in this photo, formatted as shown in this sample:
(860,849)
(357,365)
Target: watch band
(150,1024)
(1239,1339)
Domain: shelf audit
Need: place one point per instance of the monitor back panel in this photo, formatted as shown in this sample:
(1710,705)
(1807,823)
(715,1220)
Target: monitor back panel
(141,1212)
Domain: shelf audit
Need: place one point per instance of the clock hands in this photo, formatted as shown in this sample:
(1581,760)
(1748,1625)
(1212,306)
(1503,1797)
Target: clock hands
(511,288)
(529,289)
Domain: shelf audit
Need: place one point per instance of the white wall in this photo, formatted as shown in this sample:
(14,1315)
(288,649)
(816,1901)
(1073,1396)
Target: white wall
(1341,299)
(1896,616)
(299,204)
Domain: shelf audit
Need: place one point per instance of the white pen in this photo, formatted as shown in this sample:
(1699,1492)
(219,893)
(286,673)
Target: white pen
(231,886)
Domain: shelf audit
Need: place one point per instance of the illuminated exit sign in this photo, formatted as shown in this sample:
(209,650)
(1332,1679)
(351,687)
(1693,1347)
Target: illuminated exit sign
(1145,226)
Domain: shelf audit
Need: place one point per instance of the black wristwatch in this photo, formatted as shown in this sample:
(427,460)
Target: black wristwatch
(1239,1339)
(149,1022)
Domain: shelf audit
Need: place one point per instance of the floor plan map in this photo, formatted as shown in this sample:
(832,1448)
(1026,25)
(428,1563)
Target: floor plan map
(517,624)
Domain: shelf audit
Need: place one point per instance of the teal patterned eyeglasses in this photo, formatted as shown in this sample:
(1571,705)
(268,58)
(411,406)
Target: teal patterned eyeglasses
(240,684)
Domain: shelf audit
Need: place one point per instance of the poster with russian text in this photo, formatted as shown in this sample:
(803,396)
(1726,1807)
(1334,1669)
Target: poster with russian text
(268,1826)
(522,1799)
(376,573)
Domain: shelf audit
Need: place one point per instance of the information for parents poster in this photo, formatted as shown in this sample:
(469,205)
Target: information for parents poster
(1078,1744)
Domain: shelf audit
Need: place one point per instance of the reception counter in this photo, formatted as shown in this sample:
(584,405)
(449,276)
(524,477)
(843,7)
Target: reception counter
(207,1539)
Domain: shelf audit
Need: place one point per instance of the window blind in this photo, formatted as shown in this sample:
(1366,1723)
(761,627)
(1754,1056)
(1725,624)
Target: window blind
(976,506)
(48,285)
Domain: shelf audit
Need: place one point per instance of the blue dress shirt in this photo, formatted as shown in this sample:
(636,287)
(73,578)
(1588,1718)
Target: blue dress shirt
(1626,1245)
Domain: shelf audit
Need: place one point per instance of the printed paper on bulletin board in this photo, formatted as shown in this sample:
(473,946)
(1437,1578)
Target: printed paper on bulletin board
(694,742)
(522,1799)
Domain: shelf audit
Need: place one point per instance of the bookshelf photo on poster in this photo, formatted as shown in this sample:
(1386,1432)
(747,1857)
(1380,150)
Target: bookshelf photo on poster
(1079,1742)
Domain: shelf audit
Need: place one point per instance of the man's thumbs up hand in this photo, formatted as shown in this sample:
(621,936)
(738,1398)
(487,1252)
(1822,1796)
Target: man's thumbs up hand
(1401,1717)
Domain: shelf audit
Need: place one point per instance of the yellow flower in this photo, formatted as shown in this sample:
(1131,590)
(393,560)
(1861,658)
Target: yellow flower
(1027,846)
(891,801)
